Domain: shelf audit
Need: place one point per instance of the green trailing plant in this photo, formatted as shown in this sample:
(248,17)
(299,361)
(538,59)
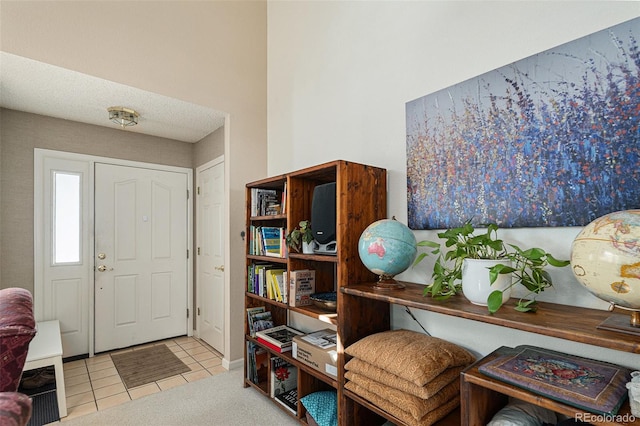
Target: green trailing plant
(529,270)
(527,266)
(299,234)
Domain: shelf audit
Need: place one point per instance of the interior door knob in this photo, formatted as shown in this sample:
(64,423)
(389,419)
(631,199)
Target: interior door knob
(219,268)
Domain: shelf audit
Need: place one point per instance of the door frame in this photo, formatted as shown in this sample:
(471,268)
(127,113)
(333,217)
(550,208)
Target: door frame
(39,156)
(207,165)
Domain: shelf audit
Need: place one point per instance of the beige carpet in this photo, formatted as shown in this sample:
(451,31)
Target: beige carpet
(219,400)
(142,366)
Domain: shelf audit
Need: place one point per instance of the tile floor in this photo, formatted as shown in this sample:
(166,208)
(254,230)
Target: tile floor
(93,384)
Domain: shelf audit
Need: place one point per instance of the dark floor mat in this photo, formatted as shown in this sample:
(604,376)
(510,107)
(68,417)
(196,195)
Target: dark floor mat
(44,408)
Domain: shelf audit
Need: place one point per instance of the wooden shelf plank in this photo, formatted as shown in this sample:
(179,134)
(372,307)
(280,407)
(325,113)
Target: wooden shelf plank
(268,217)
(272,259)
(452,419)
(317,313)
(561,321)
(314,257)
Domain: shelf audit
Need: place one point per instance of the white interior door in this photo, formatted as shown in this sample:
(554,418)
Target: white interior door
(141,235)
(210,242)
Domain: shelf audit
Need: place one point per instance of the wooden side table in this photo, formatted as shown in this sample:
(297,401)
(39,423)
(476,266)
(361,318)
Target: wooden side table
(44,350)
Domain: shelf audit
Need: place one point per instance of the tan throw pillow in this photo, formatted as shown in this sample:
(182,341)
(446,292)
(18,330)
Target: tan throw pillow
(417,407)
(359,366)
(413,356)
(428,419)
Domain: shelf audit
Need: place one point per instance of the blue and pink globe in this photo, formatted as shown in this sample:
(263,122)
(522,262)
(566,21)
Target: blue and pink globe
(387,248)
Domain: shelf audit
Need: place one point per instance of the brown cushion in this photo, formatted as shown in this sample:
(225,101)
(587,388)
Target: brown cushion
(417,407)
(406,417)
(413,356)
(427,391)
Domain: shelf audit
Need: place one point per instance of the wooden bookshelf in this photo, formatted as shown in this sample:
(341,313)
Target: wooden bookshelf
(360,200)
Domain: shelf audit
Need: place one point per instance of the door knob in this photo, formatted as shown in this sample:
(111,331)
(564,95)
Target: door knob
(219,268)
(103,268)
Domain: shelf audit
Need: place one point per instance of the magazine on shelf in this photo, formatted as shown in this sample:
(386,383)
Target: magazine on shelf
(261,321)
(289,400)
(251,312)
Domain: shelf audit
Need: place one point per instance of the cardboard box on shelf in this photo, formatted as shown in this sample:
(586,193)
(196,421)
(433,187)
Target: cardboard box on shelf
(318,350)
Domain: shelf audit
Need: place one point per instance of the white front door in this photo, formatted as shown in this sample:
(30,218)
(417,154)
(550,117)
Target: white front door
(62,262)
(210,260)
(141,278)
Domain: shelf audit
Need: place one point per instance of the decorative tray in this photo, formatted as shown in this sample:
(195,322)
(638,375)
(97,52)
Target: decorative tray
(325,301)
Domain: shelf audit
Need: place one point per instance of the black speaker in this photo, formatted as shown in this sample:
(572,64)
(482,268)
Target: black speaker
(323,218)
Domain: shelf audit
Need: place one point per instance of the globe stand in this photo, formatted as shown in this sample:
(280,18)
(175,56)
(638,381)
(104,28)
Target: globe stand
(622,323)
(387,283)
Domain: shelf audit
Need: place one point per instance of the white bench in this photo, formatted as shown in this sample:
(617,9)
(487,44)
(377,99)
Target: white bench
(44,350)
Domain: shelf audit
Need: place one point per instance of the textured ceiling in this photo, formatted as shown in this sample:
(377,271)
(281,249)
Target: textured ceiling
(39,88)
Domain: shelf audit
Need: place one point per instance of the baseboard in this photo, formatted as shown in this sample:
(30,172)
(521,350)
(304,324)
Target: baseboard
(238,363)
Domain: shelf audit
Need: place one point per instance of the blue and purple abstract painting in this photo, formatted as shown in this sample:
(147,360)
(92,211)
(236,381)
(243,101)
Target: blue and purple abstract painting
(550,140)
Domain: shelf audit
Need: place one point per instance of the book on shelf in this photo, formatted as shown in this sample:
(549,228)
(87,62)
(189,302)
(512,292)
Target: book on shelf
(257,363)
(289,400)
(258,278)
(302,284)
(284,376)
(283,203)
(279,338)
(274,281)
(272,241)
(267,280)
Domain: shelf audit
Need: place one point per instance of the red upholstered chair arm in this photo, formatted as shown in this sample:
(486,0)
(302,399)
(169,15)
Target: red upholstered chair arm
(15,409)
(17,328)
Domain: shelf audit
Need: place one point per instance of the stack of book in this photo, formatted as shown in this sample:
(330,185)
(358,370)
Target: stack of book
(265,202)
(279,338)
(267,241)
(268,280)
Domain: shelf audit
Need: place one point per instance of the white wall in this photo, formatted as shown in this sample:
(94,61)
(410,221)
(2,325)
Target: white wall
(340,73)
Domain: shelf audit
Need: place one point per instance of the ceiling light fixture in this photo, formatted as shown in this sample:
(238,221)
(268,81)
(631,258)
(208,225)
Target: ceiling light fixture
(122,116)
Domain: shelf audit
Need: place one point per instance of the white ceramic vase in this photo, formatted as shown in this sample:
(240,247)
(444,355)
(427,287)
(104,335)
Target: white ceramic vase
(475,280)
(307,248)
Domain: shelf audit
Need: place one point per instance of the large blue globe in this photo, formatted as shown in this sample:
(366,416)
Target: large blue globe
(387,248)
